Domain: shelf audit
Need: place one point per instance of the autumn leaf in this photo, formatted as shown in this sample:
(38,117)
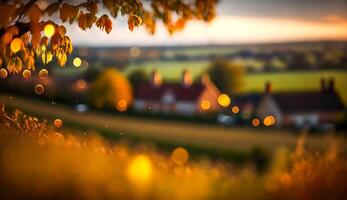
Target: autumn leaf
(86,20)
(61,56)
(15,65)
(51,9)
(92,7)
(68,45)
(56,40)
(39,50)
(46,57)
(104,23)
(44,41)
(68,13)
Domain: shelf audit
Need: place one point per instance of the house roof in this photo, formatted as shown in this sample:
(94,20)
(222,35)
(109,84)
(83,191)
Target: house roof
(241,100)
(293,102)
(148,92)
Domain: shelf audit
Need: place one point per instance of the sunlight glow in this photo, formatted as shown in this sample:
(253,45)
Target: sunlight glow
(140,170)
(49,30)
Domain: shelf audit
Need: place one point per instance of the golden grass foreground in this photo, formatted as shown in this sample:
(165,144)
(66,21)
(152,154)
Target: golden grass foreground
(37,162)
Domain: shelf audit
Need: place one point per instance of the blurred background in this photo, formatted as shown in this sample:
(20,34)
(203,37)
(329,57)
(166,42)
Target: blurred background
(275,68)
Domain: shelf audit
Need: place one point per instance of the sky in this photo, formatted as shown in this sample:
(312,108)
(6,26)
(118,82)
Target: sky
(237,22)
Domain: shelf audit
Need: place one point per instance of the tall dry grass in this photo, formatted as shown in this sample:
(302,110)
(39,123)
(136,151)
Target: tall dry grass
(37,162)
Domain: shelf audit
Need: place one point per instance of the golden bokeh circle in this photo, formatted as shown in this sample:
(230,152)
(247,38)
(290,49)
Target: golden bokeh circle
(179,156)
(43,74)
(49,30)
(26,74)
(224,100)
(205,105)
(39,89)
(16,45)
(77,62)
(235,109)
(139,170)
(255,122)
(58,123)
(122,105)
(269,120)
(3,73)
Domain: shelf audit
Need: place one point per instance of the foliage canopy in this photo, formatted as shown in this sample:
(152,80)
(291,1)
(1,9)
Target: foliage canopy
(23,22)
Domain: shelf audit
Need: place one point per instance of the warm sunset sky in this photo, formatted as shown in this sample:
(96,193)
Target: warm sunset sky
(239,21)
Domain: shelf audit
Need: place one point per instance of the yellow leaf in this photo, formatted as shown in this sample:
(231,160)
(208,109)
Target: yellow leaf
(61,56)
(46,57)
(68,45)
(39,50)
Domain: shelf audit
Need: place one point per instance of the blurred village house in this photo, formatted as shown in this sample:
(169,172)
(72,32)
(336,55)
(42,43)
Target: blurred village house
(295,109)
(185,98)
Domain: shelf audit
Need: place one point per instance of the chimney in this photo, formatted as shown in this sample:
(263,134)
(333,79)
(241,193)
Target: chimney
(331,85)
(268,87)
(156,78)
(323,84)
(205,79)
(186,78)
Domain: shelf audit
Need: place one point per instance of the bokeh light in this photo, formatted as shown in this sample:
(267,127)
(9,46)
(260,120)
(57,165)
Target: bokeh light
(49,30)
(179,156)
(81,84)
(39,89)
(140,169)
(224,100)
(26,74)
(235,109)
(122,105)
(77,62)
(43,74)
(58,123)
(3,73)
(269,120)
(16,45)
(205,105)
(135,52)
(255,122)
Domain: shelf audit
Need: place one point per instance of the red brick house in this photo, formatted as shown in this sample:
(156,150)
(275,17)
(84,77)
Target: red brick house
(184,97)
